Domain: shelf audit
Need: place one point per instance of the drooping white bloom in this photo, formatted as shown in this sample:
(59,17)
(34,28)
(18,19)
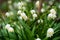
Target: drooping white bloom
(37,4)
(9,1)
(11,13)
(59,6)
(19,12)
(38,21)
(20,17)
(42,10)
(10,29)
(7,14)
(21,4)
(7,26)
(34,16)
(23,15)
(38,39)
(41,20)
(33,11)
(50,32)
(52,11)
(51,16)
(50,2)
(15,5)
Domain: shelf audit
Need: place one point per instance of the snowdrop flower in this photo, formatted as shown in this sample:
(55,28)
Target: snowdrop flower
(10,29)
(9,1)
(27,0)
(38,39)
(38,21)
(15,4)
(41,20)
(52,11)
(33,11)
(37,4)
(11,13)
(50,2)
(59,6)
(24,8)
(7,26)
(19,12)
(7,14)
(50,32)
(23,15)
(51,16)
(34,16)
(42,10)
(20,17)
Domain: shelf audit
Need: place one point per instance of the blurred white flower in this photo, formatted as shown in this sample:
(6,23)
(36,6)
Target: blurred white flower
(7,26)
(41,20)
(15,4)
(19,12)
(10,29)
(34,16)
(20,17)
(11,13)
(33,11)
(37,4)
(7,14)
(50,2)
(53,11)
(38,21)
(24,8)
(9,1)
(42,10)
(27,0)
(38,39)
(51,16)
(10,7)
(23,15)
(59,6)
(21,5)
(50,32)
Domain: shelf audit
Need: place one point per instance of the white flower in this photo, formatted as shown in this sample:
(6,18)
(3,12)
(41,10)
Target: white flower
(38,39)
(59,6)
(27,0)
(37,4)
(7,14)
(19,12)
(11,13)
(38,21)
(42,10)
(9,1)
(34,15)
(10,29)
(52,11)
(15,5)
(33,11)
(23,15)
(41,20)
(20,17)
(50,32)
(51,16)
(7,26)
(50,2)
